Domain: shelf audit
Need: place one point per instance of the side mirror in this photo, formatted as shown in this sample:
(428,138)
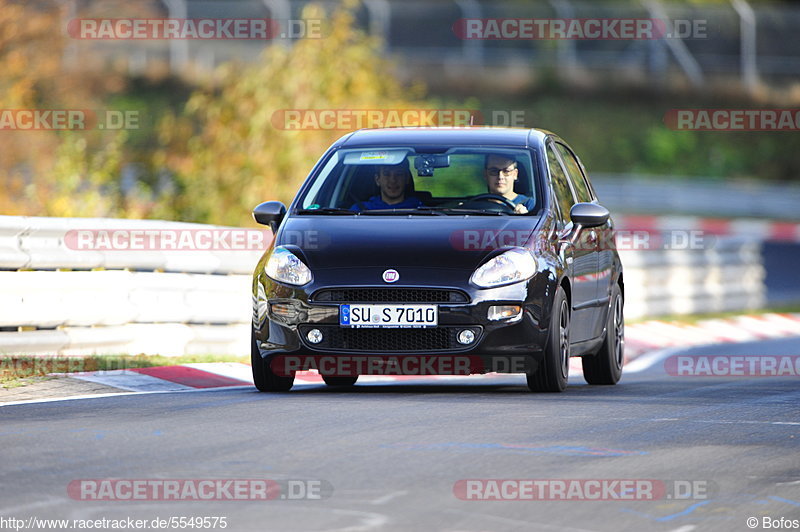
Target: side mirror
(588,214)
(270,213)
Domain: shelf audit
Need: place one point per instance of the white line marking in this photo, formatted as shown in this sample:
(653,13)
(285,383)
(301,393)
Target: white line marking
(38,504)
(650,359)
(388,497)
(369,521)
(120,394)
(528,525)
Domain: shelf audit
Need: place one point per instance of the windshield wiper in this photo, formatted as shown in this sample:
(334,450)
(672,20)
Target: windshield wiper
(422,210)
(327,210)
(460,210)
(417,211)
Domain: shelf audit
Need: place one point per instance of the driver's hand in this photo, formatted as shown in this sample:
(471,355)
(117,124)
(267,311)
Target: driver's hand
(521,209)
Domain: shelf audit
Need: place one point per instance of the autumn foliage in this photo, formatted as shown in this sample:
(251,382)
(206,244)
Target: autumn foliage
(210,159)
(225,150)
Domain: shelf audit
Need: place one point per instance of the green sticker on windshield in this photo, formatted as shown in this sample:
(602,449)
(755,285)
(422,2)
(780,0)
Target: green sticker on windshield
(393,156)
(374,156)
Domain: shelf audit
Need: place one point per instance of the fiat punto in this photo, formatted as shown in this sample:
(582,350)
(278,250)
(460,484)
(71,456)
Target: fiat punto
(436,250)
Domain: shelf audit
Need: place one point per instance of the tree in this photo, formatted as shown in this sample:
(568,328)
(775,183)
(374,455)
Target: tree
(225,151)
(56,172)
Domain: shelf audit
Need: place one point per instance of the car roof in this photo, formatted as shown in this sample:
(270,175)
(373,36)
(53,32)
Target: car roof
(459,136)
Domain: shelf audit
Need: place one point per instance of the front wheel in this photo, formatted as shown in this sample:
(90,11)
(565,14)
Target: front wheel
(606,366)
(263,376)
(551,376)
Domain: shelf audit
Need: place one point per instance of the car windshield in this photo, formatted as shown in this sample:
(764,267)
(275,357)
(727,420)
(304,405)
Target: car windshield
(425,181)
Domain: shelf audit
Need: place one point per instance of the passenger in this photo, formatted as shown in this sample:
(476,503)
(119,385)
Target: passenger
(501,172)
(393,181)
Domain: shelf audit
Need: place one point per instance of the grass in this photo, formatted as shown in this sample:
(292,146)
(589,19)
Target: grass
(625,132)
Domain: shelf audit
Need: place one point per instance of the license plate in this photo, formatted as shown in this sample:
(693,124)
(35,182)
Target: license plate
(388,316)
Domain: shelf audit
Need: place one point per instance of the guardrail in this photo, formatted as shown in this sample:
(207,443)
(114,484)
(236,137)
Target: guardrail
(56,299)
(43,243)
(682,195)
(727,276)
(59,299)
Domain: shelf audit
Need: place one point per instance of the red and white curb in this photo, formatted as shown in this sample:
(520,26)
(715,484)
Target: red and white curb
(173,378)
(640,338)
(224,375)
(653,335)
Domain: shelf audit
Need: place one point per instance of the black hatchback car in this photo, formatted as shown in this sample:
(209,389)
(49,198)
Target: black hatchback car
(436,250)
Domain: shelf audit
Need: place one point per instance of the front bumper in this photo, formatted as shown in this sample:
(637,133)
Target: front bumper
(283,316)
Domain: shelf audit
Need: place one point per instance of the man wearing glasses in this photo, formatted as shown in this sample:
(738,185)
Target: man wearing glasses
(501,172)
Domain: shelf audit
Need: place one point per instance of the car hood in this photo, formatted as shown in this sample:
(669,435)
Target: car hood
(453,242)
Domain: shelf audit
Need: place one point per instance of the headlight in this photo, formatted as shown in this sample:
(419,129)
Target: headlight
(284,266)
(510,267)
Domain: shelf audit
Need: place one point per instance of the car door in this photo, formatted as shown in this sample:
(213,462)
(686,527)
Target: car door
(581,259)
(600,236)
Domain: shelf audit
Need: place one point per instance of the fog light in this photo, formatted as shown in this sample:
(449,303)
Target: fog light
(504,312)
(466,337)
(314,336)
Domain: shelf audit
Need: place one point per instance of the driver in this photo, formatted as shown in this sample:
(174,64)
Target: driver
(501,172)
(392,181)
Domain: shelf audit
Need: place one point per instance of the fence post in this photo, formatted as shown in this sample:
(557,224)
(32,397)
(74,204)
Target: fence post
(380,16)
(178,48)
(565,54)
(70,57)
(471,49)
(747,25)
(682,54)
(279,10)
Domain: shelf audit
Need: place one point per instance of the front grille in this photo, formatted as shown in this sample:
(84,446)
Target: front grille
(389,295)
(388,340)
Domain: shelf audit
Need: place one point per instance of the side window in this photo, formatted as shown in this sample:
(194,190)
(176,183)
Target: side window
(575,174)
(560,185)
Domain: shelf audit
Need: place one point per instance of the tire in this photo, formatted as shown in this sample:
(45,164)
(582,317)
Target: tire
(340,381)
(263,377)
(606,366)
(552,374)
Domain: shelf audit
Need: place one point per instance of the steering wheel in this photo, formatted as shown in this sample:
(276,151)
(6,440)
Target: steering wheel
(498,199)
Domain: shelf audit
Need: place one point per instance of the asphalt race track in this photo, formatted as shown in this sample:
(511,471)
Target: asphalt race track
(390,457)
